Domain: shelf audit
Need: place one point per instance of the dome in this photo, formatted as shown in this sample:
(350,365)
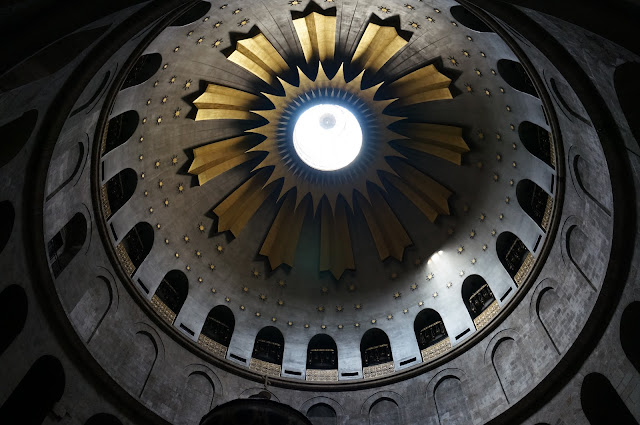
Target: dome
(359,211)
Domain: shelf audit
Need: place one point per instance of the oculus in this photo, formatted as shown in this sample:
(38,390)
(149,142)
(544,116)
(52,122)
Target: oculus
(328,102)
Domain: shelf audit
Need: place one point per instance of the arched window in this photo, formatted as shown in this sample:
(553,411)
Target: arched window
(322,359)
(118,190)
(15,135)
(103,419)
(41,387)
(267,351)
(119,129)
(375,350)
(7,217)
(144,68)
(597,392)
(515,75)
(322,414)
(193,14)
(625,81)
(170,295)
(537,203)
(13,314)
(479,299)
(514,256)
(135,247)
(217,330)
(537,140)
(431,334)
(64,246)
(629,331)
(468,19)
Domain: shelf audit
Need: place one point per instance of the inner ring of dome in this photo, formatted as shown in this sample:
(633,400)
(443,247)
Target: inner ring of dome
(327,137)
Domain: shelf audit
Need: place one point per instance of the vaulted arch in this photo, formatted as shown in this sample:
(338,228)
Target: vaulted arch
(479,300)
(135,247)
(65,245)
(375,351)
(143,69)
(217,330)
(536,202)
(538,142)
(171,295)
(516,76)
(119,129)
(267,351)
(431,334)
(322,359)
(118,190)
(514,256)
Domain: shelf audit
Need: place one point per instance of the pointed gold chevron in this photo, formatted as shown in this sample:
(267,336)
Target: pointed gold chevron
(302,191)
(317,34)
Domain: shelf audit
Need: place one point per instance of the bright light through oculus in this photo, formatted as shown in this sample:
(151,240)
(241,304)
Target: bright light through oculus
(327,137)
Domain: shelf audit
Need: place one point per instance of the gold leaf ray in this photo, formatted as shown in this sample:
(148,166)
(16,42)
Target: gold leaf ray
(258,56)
(423,191)
(282,239)
(388,234)
(215,158)
(220,102)
(443,141)
(377,45)
(336,253)
(423,85)
(317,35)
(236,210)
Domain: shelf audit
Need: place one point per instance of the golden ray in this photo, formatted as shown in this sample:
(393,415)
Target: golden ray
(317,34)
(258,56)
(280,172)
(422,85)
(377,45)
(336,254)
(236,210)
(282,240)
(443,141)
(220,103)
(424,192)
(388,234)
(214,159)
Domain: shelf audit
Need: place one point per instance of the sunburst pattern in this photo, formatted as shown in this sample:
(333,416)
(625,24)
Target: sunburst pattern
(333,195)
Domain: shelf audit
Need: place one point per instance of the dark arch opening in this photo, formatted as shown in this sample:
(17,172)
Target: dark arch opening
(322,353)
(137,244)
(13,314)
(119,189)
(64,246)
(477,295)
(602,404)
(537,140)
(429,328)
(51,59)
(142,70)
(40,388)
(322,414)
(219,325)
(172,293)
(625,80)
(516,76)
(468,19)
(535,201)
(15,134)
(269,345)
(375,348)
(103,419)
(119,129)
(196,12)
(512,253)
(7,217)
(629,332)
